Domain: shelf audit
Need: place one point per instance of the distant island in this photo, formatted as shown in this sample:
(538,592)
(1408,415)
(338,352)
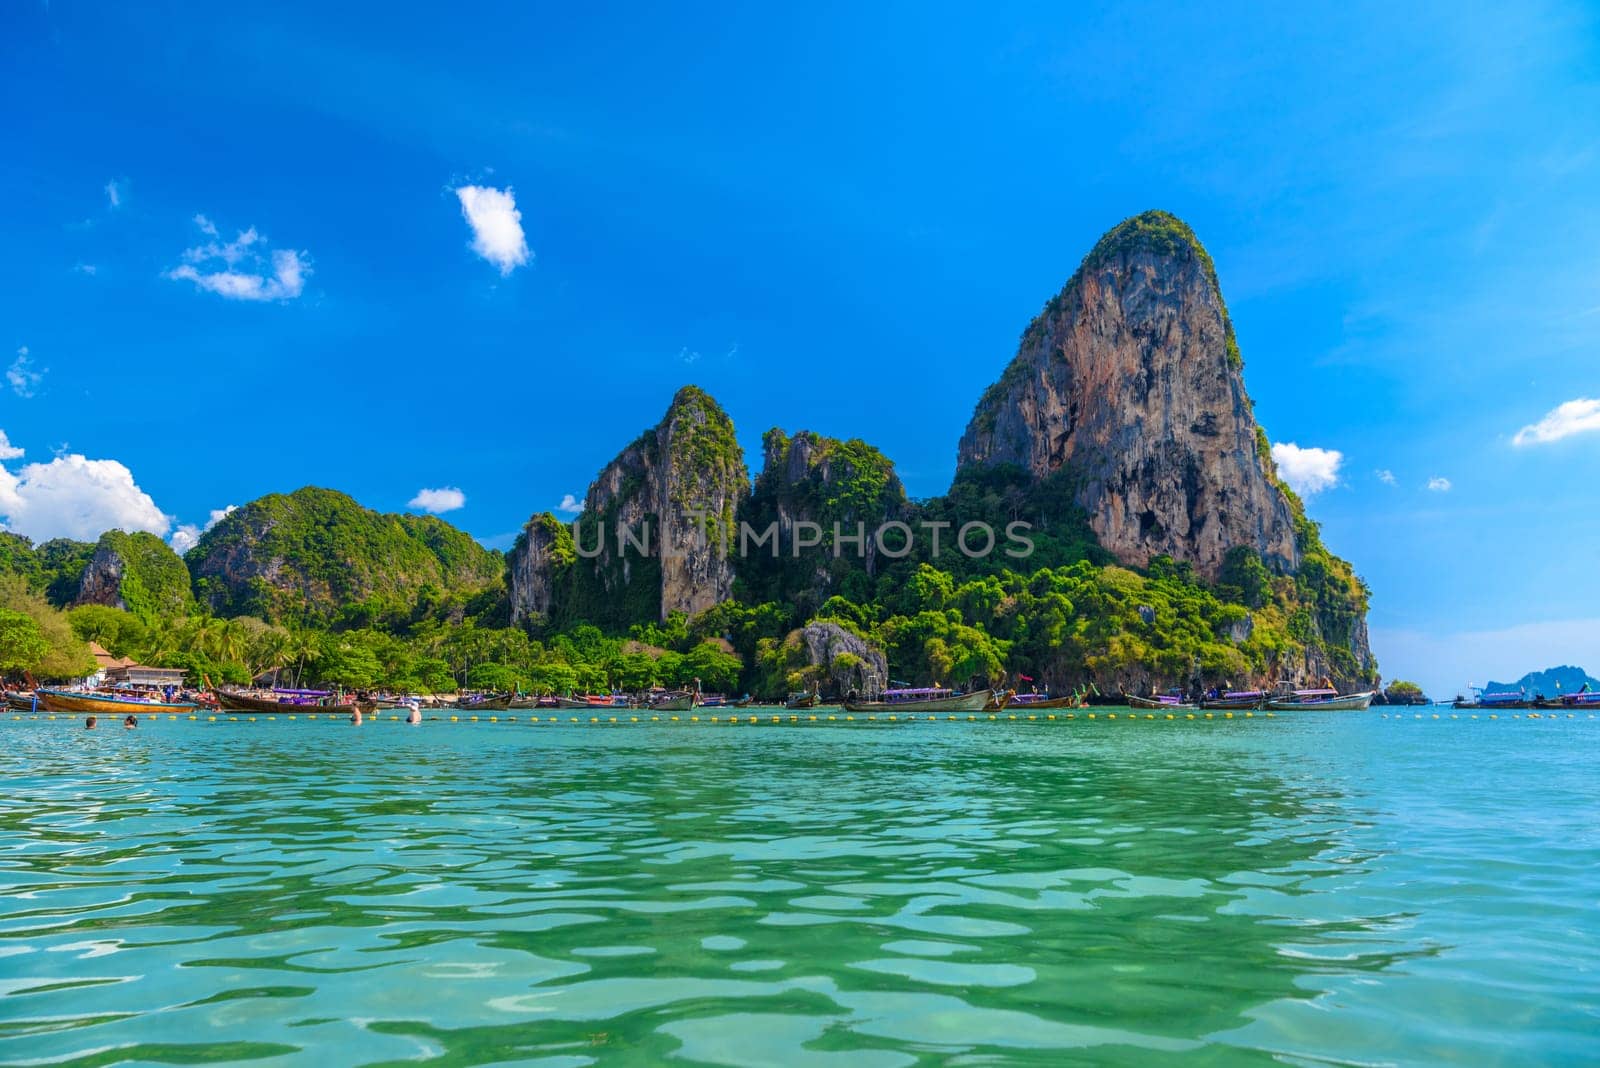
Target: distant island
(1119,443)
(1550,682)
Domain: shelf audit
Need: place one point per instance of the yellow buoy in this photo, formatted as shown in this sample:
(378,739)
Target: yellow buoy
(1188,715)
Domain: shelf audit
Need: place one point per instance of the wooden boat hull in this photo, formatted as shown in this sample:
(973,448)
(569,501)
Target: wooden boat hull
(99,705)
(681,702)
(1015,705)
(238,702)
(968,702)
(21,702)
(998,699)
(493,704)
(804,701)
(1160,706)
(1354,702)
(1232,704)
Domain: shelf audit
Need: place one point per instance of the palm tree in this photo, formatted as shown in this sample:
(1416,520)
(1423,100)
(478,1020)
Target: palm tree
(304,648)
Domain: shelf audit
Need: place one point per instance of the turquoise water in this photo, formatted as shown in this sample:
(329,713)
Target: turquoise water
(1311,889)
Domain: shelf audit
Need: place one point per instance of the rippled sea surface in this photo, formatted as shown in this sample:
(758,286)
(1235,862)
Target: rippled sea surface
(1311,889)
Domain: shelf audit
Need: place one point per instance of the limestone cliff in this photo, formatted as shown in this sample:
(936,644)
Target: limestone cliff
(536,565)
(138,572)
(810,478)
(675,493)
(1131,382)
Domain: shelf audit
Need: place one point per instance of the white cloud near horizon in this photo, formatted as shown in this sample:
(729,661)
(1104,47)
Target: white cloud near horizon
(1580,416)
(24,380)
(443,499)
(8,451)
(569,504)
(244,268)
(496,225)
(1438,484)
(114,193)
(187,536)
(1308,471)
(73,496)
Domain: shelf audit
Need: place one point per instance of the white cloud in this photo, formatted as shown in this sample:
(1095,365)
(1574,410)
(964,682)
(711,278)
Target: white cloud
(569,504)
(1386,476)
(23,378)
(496,225)
(114,193)
(249,270)
(1581,416)
(443,499)
(188,535)
(86,268)
(1307,471)
(8,451)
(75,497)
(1439,485)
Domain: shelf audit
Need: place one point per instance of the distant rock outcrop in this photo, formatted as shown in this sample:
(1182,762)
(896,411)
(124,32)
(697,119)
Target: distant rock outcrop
(837,487)
(1550,682)
(138,572)
(1130,381)
(316,554)
(675,492)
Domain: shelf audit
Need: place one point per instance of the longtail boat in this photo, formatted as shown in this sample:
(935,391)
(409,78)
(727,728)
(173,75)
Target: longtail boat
(1322,701)
(1584,699)
(602,700)
(801,700)
(489,703)
(1163,702)
(22,702)
(923,699)
(1043,700)
(1234,700)
(105,704)
(998,699)
(289,701)
(674,701)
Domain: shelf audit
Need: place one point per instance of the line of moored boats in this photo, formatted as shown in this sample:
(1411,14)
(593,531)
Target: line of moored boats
(900,699)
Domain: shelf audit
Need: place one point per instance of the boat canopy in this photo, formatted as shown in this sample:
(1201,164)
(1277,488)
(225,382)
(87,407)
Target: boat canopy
(303,693)
(915,691)
(1314,693)
(1254,693)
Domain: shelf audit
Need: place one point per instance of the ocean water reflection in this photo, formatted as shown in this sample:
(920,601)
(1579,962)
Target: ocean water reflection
(1334,889)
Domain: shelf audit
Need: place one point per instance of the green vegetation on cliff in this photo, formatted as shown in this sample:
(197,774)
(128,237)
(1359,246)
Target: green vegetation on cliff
(316,556)
(151,580)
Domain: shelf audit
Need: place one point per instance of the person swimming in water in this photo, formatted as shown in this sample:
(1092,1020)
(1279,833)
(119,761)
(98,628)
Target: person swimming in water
(414,716)
(355,718)
(131,722)
(89,723)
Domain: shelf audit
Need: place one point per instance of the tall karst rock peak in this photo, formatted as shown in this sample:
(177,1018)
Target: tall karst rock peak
(676,490)
(1131,381)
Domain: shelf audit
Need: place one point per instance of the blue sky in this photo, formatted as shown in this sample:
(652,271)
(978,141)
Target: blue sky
(830,218)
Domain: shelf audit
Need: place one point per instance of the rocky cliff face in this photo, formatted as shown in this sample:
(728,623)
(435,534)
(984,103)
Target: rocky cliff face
(813,479)
(536,566)
(1130,380)
(138,572)
(676,490)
